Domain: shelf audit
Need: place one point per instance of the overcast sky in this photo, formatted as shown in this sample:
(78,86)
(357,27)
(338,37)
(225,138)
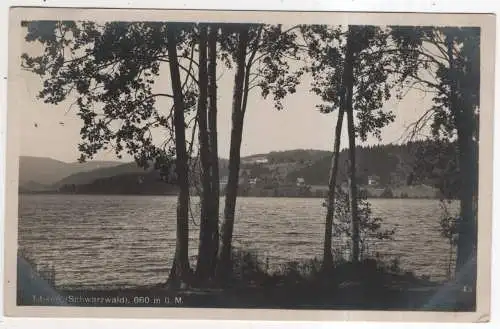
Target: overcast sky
(53,131)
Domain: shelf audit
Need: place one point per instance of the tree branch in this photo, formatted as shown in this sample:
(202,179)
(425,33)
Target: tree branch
(188,71)
(248,66)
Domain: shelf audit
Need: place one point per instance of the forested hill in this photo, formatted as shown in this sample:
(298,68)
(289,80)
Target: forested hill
(392,164)
(37,171)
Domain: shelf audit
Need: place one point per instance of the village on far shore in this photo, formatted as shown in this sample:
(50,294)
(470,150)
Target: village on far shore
(260,178)
(384,173)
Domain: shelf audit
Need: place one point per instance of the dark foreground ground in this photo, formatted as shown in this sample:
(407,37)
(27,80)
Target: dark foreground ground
(366,287)
(439,298)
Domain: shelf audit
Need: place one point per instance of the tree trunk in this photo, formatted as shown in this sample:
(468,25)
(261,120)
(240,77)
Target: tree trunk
(212,130)
(467,232)
(463,112)
(234,158)
(332,184)
(180,271)
(205,248)
(348,67)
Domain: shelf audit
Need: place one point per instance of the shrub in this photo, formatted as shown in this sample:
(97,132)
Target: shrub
(448,230)
(246,266)
(370,227)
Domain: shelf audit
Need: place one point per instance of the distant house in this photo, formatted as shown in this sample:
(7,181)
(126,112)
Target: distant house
(256,160)
(301,182)
(373,180)
(261,160)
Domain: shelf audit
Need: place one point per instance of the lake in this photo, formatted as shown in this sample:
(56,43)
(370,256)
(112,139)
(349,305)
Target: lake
(108,240)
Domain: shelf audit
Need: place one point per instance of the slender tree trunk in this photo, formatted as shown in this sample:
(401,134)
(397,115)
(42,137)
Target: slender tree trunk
(467,232)
(352,149)
(212,129)
(205,249)
(180,271)
(234,158)
(332,185)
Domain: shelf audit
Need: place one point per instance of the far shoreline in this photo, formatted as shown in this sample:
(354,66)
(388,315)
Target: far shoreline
(222,196)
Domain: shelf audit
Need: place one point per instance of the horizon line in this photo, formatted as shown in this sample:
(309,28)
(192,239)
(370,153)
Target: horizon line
(221,158)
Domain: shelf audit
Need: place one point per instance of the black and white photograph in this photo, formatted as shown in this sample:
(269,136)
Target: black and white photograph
(243,162)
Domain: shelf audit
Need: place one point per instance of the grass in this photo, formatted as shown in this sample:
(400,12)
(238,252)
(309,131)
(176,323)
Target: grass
(369,285)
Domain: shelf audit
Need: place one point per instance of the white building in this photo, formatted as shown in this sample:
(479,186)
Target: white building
(261,160)
(373,180)
(301,182)
(256,160)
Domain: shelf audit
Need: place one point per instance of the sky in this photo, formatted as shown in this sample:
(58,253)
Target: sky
(53,131)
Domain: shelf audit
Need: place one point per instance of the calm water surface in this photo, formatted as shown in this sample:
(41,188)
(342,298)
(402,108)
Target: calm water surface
(95,241)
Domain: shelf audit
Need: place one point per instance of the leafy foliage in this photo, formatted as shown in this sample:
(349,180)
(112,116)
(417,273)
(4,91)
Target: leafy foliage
(370,227)
(372,65)
(446,61)
(269,55)
(111,70)
(427,53)
(448,224)
(436,162)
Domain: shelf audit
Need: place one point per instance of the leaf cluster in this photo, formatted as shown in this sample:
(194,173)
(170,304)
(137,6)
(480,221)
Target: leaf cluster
(111,70)
(372,65)
(370,226)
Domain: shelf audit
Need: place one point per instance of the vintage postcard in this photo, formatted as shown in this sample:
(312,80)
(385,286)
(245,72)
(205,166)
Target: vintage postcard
(234,165)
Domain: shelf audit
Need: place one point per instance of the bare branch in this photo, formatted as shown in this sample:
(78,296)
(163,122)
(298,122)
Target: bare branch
(188,71)
(193,133)
(415,128)
(191,61)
